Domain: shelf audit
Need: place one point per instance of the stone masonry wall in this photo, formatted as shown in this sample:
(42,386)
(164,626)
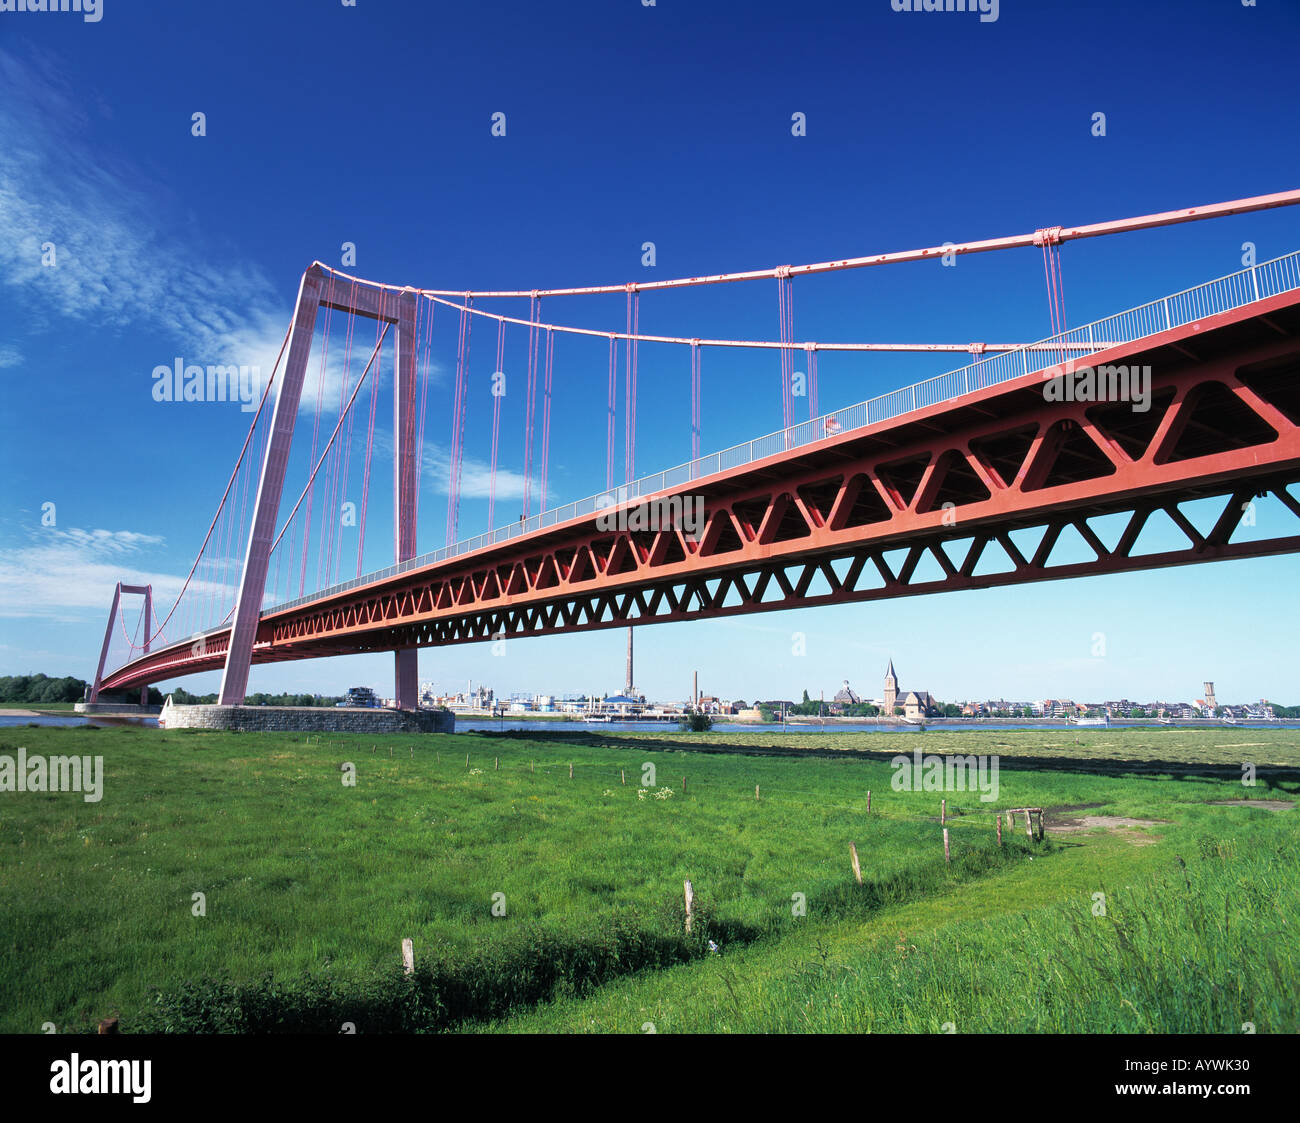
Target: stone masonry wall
(120,708)
(306,719)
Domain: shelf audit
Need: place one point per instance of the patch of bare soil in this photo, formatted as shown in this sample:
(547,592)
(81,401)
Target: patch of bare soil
(1088,822)
(1068,826)
(1054,817)
(1267,804)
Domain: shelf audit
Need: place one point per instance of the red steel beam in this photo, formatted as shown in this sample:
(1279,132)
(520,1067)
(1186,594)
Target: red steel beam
(252,583)
(985,245)
(1007,458)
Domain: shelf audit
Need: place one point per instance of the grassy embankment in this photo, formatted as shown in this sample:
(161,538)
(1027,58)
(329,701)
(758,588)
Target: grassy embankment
(318,883)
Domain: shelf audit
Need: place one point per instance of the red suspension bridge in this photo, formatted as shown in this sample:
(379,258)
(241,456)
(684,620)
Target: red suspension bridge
(969,480)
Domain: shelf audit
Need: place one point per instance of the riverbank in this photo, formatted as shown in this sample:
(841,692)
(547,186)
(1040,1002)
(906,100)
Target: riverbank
(1010,722)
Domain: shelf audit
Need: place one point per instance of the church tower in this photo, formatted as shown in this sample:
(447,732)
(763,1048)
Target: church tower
(891,690)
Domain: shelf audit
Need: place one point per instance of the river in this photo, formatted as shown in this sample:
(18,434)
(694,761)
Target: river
(489,725)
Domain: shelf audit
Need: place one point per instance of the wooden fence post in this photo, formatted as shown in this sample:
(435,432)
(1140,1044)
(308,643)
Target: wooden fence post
(999,830)
(868,803)
(570,770)
(857,869)
(408,956)
(1029,825)
(496,764)
(755,793)
(683,785)
(622,775)
(943,811)
(690,904)
(946,856)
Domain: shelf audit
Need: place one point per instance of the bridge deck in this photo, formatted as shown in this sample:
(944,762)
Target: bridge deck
(908,472)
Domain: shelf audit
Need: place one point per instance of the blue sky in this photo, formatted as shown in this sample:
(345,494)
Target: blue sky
(625,124)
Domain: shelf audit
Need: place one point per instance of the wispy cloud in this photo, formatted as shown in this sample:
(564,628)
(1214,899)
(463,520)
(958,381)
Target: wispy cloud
(118,250)
(126,256)
(476,475)
(69,575)
(336,366)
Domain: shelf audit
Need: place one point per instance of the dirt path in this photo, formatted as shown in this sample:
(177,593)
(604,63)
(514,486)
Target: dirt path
(1056,823)
(1088,822)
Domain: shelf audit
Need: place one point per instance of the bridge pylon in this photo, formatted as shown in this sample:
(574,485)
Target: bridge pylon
(319,289)
(145,591)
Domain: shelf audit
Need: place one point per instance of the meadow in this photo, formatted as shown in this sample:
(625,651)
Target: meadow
(537,900)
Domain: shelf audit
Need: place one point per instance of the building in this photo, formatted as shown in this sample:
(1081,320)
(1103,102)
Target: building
(914,703)
(361,696)
(846,697)
(891,689)
(918,704)
(1060,708)
(622,705)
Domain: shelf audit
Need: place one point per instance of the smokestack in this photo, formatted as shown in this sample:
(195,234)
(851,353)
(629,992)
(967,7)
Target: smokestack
(629,688)
(695,689)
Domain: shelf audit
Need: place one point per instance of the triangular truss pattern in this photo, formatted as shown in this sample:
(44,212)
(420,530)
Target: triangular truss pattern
(982,560)
(1017,489)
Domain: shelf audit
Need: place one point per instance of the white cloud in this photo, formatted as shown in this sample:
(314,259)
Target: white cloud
(435,471)
(69,575)
(102,541)
(475,476)
(118,258)
(123,260)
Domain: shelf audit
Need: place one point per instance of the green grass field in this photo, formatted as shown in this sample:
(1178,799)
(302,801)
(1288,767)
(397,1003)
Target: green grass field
(310,885)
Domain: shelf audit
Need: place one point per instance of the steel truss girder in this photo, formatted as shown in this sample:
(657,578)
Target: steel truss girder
(779,584)
(776,528)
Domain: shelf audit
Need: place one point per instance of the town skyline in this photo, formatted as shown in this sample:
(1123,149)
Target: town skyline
(1206,703)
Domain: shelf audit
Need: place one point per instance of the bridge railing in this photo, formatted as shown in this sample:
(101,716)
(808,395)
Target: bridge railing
(1269,278)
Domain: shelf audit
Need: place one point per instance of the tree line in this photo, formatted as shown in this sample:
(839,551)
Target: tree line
(183,697)
(42,689)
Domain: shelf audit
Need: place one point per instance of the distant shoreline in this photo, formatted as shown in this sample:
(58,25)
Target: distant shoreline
(1028,722)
